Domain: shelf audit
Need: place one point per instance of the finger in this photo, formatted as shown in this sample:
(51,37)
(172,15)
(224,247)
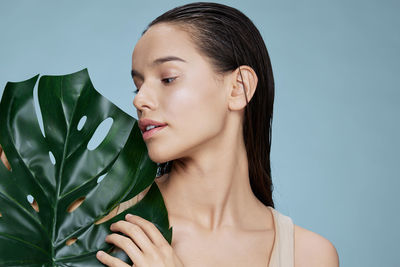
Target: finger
(110,260)
(127,245)
(135,233)
(149,228)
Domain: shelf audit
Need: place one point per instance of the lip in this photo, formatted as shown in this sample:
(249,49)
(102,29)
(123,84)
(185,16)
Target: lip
(147,134)
(143,123)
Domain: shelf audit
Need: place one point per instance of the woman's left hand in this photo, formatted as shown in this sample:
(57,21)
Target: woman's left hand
(144,244)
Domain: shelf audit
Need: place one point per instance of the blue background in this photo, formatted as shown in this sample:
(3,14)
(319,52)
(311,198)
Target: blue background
(336,129)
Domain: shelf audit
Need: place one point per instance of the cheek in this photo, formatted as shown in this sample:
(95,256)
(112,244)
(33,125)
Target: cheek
(195,109)
(195,115)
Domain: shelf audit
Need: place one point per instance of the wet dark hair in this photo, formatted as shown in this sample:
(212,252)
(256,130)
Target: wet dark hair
(229,39)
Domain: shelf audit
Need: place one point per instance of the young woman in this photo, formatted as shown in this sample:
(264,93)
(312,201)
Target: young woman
(204,77)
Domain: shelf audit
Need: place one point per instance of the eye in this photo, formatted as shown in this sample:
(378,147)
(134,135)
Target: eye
(171,79)
(166,80)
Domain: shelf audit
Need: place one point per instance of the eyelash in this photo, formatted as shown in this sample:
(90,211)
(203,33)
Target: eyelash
(137,90)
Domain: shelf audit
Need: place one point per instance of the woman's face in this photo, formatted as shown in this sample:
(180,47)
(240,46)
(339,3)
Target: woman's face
(184,94)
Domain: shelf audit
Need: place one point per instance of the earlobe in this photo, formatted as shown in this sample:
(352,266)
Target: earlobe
(244,79)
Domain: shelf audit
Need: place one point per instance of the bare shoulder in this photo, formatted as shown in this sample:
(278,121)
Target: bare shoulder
(312,249)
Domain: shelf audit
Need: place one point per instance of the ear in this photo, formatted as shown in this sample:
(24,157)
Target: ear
(244,80)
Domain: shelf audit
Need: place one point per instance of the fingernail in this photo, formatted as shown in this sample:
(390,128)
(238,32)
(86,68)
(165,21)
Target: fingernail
(100,253)
(129,215)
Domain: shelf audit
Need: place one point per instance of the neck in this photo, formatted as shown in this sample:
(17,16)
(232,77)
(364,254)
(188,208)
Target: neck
(211,188)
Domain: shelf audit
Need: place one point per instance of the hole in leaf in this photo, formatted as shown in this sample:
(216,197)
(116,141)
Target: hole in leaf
(100,133)
(1,215)
(81,123)
(70,241)
(4,159)
(109,216)
(75,204)
(123,206)
(52,158)
(33,202)
(101,178)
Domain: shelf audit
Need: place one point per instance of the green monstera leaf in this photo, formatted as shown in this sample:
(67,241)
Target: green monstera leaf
(50,173)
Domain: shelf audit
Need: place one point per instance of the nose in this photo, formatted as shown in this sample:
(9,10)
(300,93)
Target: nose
(143,100)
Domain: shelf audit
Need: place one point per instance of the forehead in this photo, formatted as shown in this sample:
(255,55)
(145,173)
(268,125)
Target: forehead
(162,40)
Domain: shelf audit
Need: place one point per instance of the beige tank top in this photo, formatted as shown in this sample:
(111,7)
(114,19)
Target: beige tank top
(283,249)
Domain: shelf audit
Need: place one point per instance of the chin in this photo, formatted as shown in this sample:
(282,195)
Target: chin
(159,155)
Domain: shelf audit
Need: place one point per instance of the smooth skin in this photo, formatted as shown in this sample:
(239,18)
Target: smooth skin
(217,220)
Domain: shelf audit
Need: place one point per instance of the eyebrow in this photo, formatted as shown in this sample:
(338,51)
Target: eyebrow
(157,61)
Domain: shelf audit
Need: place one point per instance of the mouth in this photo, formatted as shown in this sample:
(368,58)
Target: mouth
(149,133)
(148,124)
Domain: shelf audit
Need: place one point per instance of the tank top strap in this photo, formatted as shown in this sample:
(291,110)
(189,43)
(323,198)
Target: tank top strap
(283,249)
